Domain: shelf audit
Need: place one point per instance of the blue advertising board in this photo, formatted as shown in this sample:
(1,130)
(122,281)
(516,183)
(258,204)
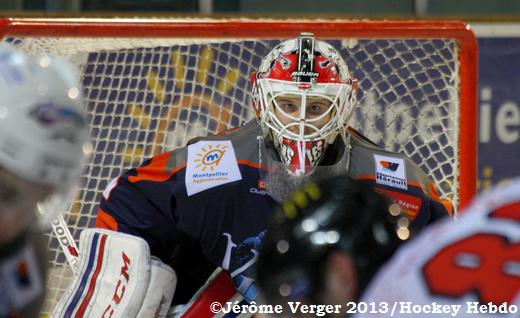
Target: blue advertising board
(499,110)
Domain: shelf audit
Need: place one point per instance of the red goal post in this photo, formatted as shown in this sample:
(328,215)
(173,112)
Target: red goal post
(150,84)
(265,29)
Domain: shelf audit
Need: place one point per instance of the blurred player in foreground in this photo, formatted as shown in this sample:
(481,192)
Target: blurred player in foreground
(331,250)
(43,128)
(203,207)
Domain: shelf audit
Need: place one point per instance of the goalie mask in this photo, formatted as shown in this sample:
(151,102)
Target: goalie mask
(303,96)
(43,132)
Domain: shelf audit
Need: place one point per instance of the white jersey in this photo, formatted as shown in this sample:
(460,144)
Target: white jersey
(463,268)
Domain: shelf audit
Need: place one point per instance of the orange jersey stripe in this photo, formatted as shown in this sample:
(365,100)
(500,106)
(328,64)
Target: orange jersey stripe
(106,221)
(248,163)
(447,203)
(157,170)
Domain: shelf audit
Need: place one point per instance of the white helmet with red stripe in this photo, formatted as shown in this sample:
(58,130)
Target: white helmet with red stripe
(303,96)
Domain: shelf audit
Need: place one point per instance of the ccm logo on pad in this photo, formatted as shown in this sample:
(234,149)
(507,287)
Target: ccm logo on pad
(119,292)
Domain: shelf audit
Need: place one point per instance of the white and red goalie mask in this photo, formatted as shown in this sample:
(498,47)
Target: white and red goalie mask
(303,97)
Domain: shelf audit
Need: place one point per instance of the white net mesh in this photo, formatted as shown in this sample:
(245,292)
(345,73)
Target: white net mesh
(148,96)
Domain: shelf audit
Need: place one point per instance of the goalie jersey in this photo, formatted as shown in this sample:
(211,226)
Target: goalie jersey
(204,206)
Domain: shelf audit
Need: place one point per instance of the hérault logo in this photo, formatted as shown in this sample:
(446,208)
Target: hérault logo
(390,171)
(210,164)
(388,165)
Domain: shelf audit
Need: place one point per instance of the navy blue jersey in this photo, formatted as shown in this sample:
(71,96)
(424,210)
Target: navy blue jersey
(204,205)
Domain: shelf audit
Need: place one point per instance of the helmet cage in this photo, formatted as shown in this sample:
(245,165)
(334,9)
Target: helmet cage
(339,110)
(303,68)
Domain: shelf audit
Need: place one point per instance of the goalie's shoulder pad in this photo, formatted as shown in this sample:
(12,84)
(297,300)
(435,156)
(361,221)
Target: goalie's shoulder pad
(114,272)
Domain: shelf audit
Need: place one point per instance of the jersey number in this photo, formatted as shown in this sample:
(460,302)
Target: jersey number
(485,263)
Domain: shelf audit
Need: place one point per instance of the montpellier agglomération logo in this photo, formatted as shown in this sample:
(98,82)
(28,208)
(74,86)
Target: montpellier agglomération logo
(209,158)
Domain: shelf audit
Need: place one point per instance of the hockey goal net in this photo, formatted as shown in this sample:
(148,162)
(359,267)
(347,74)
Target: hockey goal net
(150,85)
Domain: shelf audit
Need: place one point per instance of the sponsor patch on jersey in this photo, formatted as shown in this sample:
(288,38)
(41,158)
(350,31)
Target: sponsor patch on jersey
(258,191)
(210,164)
(21,280)
(260,188)
(410,204)
(391,171)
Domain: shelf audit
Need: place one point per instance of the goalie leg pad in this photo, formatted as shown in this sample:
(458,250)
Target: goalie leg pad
(113,276)
(161,288)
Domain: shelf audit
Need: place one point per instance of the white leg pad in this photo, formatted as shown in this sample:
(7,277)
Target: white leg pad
(161,288)
(114,275)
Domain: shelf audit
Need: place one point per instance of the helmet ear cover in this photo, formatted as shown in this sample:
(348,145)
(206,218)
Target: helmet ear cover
(305,68)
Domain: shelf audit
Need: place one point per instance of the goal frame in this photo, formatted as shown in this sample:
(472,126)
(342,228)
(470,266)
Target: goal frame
(324,29)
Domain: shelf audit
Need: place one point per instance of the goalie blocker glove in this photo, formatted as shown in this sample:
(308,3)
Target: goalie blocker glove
(117,278)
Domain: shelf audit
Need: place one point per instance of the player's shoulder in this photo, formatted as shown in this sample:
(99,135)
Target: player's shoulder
(496,210)
(359,142)
(361,139)
(219,154)
(429,266)
(493,213)
(243,140)
(505,194)
(370,159)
